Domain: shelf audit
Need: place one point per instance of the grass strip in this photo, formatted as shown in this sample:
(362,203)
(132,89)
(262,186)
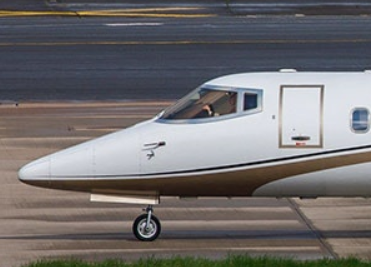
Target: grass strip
(230,261)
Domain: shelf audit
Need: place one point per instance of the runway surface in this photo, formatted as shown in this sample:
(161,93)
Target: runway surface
(54,58)
(39,223)
(231,7)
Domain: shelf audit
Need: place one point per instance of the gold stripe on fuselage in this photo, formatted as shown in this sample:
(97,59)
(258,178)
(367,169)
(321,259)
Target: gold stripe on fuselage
(227,183)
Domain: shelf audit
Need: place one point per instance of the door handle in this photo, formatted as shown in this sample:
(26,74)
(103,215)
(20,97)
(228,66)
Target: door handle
(300,138)
(151,146)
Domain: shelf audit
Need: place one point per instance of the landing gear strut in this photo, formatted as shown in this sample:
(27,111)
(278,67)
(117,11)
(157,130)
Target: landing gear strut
(147,227)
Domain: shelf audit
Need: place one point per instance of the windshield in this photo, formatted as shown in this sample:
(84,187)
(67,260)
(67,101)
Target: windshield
(203,103)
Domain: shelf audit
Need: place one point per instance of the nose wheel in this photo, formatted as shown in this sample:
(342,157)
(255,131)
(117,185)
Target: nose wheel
(147,227)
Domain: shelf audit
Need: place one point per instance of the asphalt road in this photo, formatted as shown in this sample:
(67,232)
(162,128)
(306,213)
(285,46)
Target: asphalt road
(232,7)
(53,58)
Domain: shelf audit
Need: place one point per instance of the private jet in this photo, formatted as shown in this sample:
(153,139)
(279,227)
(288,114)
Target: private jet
(269,134)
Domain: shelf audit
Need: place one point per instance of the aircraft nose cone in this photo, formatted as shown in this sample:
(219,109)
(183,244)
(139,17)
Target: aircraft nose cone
(38,170)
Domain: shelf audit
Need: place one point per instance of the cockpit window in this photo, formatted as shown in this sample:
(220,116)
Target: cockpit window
(203,103)
(250,101)
(210,103)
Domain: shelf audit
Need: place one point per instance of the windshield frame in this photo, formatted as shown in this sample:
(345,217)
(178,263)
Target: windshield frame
(238,112)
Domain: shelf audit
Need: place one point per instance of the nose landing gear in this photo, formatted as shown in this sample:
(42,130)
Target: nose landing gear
(147,227)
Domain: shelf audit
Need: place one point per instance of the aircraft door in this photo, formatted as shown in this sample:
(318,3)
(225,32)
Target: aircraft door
(301,108)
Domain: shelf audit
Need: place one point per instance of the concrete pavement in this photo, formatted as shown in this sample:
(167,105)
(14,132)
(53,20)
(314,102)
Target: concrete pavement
(45,224)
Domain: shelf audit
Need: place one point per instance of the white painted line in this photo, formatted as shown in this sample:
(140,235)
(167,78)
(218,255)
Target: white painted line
(134,24)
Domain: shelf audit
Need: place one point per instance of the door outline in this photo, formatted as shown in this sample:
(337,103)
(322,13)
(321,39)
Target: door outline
(301,145)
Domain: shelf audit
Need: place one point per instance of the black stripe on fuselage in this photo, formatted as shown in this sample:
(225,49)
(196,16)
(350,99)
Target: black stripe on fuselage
(262,162)
(233,166)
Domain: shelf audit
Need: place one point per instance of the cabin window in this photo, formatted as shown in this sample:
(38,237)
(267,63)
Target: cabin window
(360,121)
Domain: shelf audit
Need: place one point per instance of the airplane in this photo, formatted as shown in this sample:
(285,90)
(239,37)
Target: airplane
(265,134)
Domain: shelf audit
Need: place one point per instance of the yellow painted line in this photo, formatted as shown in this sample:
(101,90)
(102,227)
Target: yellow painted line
(4,13)
(186,42)
(143,10)
(151,15)
(131,12)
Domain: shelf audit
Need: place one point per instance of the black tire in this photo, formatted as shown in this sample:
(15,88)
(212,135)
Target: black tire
(140,232)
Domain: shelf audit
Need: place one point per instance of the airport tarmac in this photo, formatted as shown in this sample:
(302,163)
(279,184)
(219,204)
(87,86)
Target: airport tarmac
(39,223)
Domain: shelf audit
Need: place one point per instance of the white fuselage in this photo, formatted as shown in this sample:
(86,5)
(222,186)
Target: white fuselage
(303,134)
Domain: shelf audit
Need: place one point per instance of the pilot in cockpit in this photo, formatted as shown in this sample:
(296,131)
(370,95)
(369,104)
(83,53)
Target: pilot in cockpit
(221,105)
(207,111)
